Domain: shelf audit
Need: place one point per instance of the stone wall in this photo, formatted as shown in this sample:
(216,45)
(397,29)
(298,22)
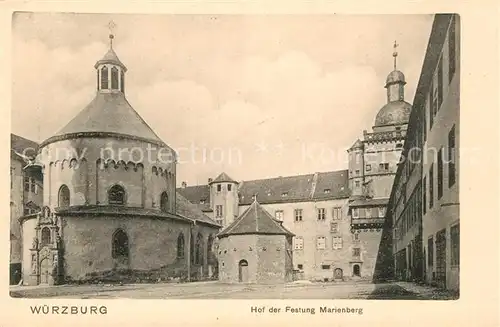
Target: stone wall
(152,244)
(232,250)
(90,166)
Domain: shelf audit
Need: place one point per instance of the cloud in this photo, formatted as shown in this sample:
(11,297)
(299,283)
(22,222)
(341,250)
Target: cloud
(221,81)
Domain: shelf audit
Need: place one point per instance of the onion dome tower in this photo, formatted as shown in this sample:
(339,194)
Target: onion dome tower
(397,110)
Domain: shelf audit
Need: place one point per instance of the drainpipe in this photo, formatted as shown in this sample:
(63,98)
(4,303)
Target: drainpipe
(189,251)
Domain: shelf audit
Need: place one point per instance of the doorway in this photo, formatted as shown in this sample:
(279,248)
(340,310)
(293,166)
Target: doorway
(356,271)
(44,271)
(337,273)
(243,271)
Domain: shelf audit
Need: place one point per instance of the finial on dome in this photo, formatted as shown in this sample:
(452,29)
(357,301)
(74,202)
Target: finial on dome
(395,53)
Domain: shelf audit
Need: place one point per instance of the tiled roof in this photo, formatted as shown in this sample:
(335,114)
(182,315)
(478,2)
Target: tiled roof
(332,184)
(255,220)
(190,210)
(279,189)
(24,146)
(223,178)
(320,186)
(111,113)
(196,195)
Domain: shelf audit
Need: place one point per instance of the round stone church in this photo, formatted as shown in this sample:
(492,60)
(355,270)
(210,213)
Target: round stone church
(110,201)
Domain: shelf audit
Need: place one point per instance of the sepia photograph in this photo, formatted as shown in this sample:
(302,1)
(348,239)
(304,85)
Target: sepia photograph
(239,156)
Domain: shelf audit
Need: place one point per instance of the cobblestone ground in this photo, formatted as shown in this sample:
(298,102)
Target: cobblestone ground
(216,290)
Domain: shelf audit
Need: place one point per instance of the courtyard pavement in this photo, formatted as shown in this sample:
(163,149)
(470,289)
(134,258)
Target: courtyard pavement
(217,290)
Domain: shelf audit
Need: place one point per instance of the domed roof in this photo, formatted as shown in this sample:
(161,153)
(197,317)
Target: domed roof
(395,76)
(109,113)
(393,113)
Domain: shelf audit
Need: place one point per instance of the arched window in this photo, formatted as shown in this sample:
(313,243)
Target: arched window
(180,246)
(198,252)
(210,244)
(63,196)
(120,244)
(114,78)
(116,195)
(356,270)
(164,202)
(104,78)
(122,80)
(46,239)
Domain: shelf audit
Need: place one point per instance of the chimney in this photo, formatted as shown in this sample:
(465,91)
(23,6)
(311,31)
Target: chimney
(210,180)
(184,184)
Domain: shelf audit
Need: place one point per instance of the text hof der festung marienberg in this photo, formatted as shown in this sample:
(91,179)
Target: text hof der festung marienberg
(306,310)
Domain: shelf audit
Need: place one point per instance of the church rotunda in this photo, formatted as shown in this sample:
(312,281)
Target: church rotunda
(109,197)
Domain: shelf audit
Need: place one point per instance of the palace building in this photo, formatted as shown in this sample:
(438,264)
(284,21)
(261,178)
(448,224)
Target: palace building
(424,205)
(106,209)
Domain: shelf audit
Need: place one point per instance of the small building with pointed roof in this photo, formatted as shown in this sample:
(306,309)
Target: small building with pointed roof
(255,248)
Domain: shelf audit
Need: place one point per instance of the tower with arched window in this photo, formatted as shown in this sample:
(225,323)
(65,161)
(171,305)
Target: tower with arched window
(110,188)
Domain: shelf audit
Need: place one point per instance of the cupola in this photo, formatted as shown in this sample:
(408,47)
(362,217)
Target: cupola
(110,71)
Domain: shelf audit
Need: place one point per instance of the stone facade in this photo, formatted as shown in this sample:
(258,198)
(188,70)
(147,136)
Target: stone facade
(424,205)
(441,222)
(265,257)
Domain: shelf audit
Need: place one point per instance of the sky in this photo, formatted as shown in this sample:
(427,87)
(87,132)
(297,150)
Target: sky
(256,96)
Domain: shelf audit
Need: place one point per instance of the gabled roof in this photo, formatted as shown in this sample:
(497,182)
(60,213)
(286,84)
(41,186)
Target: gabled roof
(278,189)
(357,145)
(109,113)
(196,195)
(223,178)
(190,210)
(255,220)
